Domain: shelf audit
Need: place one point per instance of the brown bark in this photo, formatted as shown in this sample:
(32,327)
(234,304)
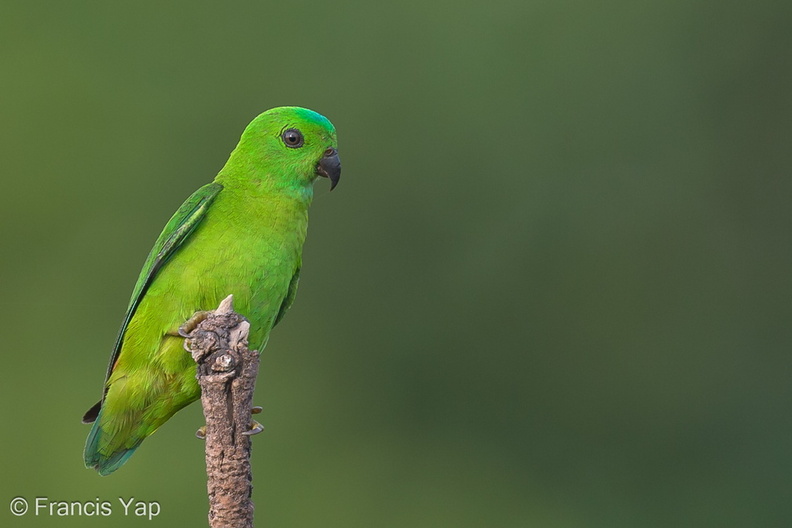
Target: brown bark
(227,374)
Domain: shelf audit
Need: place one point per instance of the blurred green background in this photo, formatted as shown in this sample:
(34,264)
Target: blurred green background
(551,290)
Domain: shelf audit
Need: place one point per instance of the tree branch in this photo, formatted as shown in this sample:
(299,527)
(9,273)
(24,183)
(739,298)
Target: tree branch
(227,374)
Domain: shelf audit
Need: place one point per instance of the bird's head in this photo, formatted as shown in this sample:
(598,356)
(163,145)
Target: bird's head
(288,147)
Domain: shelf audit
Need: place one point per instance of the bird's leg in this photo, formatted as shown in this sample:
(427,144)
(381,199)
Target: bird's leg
(255,427)
(190,324)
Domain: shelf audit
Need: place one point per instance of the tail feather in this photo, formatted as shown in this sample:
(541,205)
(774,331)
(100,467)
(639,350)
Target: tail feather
(91,414)
(96,457)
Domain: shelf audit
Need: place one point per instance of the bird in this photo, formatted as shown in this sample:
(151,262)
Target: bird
(241,234)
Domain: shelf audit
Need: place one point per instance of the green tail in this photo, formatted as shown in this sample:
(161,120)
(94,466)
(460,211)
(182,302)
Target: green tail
(101,462)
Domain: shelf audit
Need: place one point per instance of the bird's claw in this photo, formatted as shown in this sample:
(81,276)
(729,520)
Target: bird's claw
(192,322)
(255,428)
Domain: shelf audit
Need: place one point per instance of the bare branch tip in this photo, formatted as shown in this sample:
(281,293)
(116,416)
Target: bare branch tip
(226,305)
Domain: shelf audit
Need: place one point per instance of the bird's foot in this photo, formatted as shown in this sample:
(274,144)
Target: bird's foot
(255,427)
(192,322)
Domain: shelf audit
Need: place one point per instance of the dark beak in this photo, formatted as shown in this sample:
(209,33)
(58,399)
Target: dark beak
(330,167)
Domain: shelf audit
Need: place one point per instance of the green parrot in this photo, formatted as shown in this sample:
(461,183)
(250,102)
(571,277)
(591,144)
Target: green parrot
(242,234)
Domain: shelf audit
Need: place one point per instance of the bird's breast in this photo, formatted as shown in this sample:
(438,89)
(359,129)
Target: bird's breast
(249,253)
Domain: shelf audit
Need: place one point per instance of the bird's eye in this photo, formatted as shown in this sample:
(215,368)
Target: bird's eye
(293,138)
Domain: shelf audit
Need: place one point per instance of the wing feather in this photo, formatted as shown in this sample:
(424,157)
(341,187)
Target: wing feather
(175,233)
